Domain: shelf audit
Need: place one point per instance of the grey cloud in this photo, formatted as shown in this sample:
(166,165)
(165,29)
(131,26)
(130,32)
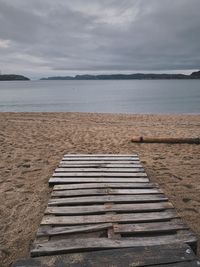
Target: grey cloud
(49,37)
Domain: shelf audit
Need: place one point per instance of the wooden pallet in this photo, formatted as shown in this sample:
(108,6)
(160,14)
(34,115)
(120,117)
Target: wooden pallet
(104,202)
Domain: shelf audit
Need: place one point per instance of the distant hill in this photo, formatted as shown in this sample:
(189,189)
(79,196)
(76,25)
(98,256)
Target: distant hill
(195,75)
(13,77)
(136,76)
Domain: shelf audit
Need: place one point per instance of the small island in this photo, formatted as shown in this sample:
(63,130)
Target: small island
(13,77)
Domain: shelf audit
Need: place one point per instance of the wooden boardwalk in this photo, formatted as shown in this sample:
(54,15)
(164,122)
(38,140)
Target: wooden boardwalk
(105,205)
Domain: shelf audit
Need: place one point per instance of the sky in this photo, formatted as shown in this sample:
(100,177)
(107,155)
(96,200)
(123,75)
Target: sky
(41,38)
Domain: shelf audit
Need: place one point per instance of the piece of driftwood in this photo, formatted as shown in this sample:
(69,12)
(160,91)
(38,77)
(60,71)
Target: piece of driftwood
(168,140)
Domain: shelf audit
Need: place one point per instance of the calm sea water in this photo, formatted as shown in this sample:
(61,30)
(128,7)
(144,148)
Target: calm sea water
(132,96)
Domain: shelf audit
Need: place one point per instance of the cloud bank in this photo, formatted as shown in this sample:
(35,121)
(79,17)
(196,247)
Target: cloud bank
(48,37)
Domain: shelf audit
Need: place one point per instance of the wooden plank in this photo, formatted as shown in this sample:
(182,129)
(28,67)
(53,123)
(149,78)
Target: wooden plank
(66,170)
(153,227)
(105,199)
(88,244)
(100,155)
(81,260)
(104,185)
(109,218)
(96,209)
(104,191)
(54,180)
(137,256)
(99,162)
(95,174)
(100,158)
(103,165)
(52,231)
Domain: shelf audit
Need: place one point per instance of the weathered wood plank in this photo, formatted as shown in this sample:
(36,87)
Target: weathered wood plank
(104,185)
(75,245)
(81,260)
(100,155)
(100,165)
(109,218)
(95,209)
(51,231)
(100,158)
(137,256)
(99,162)
(104,191)
(153,227)
(130,170)
(54,180)
(105,199)
(95,174)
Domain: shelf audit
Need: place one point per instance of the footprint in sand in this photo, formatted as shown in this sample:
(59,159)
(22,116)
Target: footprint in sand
(26,165)
(162,168)
(191,209)
(188,186)
(26,160)
(187,158)
(186,199)
(19,185)
(176,177)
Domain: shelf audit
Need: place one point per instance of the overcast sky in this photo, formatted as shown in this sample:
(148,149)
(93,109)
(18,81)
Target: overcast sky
(67,37)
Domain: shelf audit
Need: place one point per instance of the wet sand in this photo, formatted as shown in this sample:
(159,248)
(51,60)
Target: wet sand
(32,144)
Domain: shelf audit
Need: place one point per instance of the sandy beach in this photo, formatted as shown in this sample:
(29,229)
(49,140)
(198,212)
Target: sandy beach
(32,144)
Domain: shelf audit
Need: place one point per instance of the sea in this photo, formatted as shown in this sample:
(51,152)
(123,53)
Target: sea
(102,96)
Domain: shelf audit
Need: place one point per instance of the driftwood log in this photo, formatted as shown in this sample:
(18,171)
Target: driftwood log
(168,140)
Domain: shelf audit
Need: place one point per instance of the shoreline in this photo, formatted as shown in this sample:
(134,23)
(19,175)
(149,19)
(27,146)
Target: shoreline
(32,144)
(100,113)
